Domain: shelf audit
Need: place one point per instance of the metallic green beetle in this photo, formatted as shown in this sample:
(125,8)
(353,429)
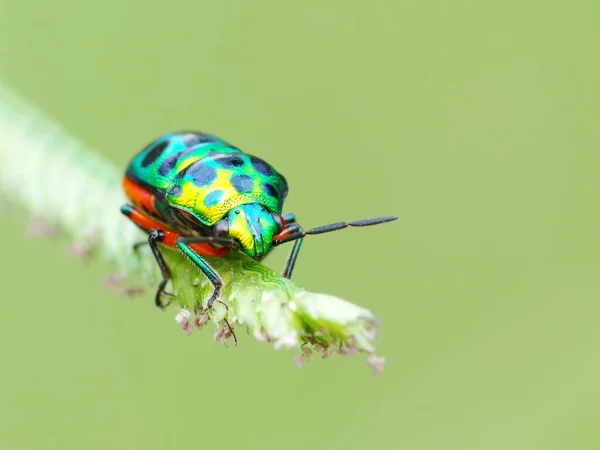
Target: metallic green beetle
(204,196)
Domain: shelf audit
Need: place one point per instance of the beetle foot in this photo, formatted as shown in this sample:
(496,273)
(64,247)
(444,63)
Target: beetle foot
(164,304)
(198,309)
(223,303)
(225,333)
(161,294)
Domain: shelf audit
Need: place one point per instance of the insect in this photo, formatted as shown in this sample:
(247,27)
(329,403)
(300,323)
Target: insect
(197,193)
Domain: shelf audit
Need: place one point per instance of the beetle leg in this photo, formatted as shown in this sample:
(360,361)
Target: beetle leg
(147,223)
(290,227)
(163,269)
(184,245)
(137,245)
(291,260)
(155,236)
(293,256)
(153,239)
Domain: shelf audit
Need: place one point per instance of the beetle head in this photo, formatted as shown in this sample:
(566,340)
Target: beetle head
(251,227)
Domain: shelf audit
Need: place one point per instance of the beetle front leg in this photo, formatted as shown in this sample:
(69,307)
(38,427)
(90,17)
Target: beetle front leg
(184,246)
(291,227)
(291,261)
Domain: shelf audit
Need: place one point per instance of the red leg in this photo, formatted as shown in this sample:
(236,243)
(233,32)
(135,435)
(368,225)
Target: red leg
(290,226)
(149,224)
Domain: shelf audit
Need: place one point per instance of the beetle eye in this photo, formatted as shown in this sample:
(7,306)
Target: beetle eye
(279,221)
(221,229)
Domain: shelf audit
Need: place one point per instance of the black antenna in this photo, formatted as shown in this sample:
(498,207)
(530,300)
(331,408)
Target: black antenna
(334,227)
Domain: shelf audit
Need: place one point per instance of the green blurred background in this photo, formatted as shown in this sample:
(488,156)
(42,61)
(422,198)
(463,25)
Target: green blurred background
(475,121)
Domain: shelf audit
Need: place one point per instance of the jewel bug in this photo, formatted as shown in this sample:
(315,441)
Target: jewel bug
(197,193)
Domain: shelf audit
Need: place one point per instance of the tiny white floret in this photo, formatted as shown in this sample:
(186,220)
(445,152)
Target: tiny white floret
(183,316)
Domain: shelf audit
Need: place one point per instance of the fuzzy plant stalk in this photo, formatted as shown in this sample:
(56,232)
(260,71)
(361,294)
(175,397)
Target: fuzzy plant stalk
(270,307)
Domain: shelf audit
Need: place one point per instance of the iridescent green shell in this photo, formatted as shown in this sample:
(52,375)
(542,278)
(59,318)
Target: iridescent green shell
(205,176)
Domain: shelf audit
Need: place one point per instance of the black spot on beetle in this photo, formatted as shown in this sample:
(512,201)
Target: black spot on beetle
(175,191)
(154,154)
(202,174)
(242,183)
(213,198)
(230,161)
(167,165)
(261,166)
(270,190)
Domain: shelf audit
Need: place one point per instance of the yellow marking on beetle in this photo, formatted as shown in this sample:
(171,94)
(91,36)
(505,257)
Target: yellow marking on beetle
(192,198)
(188,161)
(238,229)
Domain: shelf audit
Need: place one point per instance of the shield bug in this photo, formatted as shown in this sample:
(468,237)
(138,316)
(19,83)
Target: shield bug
(197,193)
